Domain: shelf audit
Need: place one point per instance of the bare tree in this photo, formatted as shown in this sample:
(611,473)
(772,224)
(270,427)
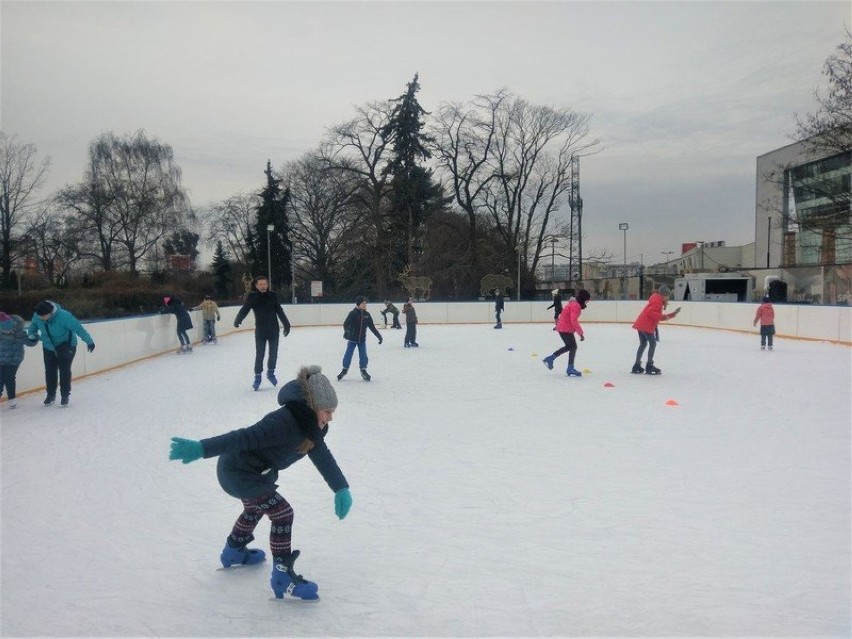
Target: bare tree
(92,219)
(53,247)
(231,222)
(144,185)
(829,129)
(21,174)
(324,218)
(465,142)
(511,161)
(358,148)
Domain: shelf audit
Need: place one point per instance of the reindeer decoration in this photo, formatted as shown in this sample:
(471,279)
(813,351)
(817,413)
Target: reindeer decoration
(412,284)
(490,282)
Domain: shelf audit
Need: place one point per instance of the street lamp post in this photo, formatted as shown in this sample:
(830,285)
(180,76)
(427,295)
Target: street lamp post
(292,275)
(668,255)
(768,237)
(518,294)
(623,226)
(552,261)
(269,229)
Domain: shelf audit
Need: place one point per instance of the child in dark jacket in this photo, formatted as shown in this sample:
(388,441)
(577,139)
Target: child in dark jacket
(355,328)
(184,322)
(249,461)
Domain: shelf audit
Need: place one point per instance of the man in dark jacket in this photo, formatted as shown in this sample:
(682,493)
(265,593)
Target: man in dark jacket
(267,311)
(355,333)
(498,307)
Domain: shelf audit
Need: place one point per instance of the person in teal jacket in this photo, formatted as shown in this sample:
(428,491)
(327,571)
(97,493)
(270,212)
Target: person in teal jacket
(58,330)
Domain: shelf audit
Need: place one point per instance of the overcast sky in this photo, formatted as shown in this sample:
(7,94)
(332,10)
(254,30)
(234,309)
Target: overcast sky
(685,95)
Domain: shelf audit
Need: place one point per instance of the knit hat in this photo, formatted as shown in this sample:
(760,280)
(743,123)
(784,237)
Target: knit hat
(554,292)
(664,290)
(166,300)
(44,308)
(4,316)
(318,391)
(583,296)
(360,299)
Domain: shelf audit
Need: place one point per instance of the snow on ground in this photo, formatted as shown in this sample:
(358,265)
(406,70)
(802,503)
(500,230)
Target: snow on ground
(492,497)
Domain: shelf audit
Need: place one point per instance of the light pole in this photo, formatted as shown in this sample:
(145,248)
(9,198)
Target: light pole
(623,226)
(768,237)
(552,261)
(668,255)
(269,229)
(519,273)
(292,275)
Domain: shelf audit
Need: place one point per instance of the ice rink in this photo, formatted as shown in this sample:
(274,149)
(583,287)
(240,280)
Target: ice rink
(492,497)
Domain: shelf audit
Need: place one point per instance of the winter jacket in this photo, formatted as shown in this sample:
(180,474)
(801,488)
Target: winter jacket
(499,303)
(652,314)
(410,313)
(60,327)
(176,307)
(209,310)
(356,324)
(267,311)
(557,305)
(12,340)
(765,314)
(250,458)
(569,319)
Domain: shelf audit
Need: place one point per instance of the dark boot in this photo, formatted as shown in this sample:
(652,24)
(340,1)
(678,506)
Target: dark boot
(637,369)
(365,375)
(650,369)
(342,374)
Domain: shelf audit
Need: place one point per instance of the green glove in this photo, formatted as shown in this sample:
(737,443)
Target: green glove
(342,502)
(187,450)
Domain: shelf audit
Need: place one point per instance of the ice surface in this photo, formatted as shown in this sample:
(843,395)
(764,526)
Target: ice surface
(491,496)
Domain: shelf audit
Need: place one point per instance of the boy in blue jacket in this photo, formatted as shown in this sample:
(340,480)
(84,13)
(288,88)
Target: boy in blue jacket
(249,461)
(58,330)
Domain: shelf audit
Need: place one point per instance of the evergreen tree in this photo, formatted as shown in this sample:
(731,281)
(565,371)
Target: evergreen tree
(221,272)
(278,249)
(414,194)
(182,242)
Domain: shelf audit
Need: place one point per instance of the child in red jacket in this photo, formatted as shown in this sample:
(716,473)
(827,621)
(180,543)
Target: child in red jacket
(568,325)
(766,316)
(646,324)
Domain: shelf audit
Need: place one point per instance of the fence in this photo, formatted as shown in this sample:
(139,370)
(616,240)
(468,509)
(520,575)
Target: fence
(123,341)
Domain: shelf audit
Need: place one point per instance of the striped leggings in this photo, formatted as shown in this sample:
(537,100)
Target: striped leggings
(280,515)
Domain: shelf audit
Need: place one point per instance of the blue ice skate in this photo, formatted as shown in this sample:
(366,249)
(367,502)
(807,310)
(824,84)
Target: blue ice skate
(286,584)
(256,383)
(242,556)
(573,372)
(548,361)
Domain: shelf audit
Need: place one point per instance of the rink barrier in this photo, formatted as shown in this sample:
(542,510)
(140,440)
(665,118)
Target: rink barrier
(125,341)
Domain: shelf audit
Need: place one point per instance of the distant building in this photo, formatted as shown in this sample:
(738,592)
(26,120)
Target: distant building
(802,209)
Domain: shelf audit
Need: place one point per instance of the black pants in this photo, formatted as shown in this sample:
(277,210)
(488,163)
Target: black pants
(58,364)
(261,339)
(7,379)
(396,323)
(570,347)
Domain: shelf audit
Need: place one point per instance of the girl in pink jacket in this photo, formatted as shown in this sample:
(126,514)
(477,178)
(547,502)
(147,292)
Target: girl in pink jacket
(766,316)
(568,325)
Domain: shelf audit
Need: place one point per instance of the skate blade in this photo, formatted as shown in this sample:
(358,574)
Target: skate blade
(294,600)
(239,566)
